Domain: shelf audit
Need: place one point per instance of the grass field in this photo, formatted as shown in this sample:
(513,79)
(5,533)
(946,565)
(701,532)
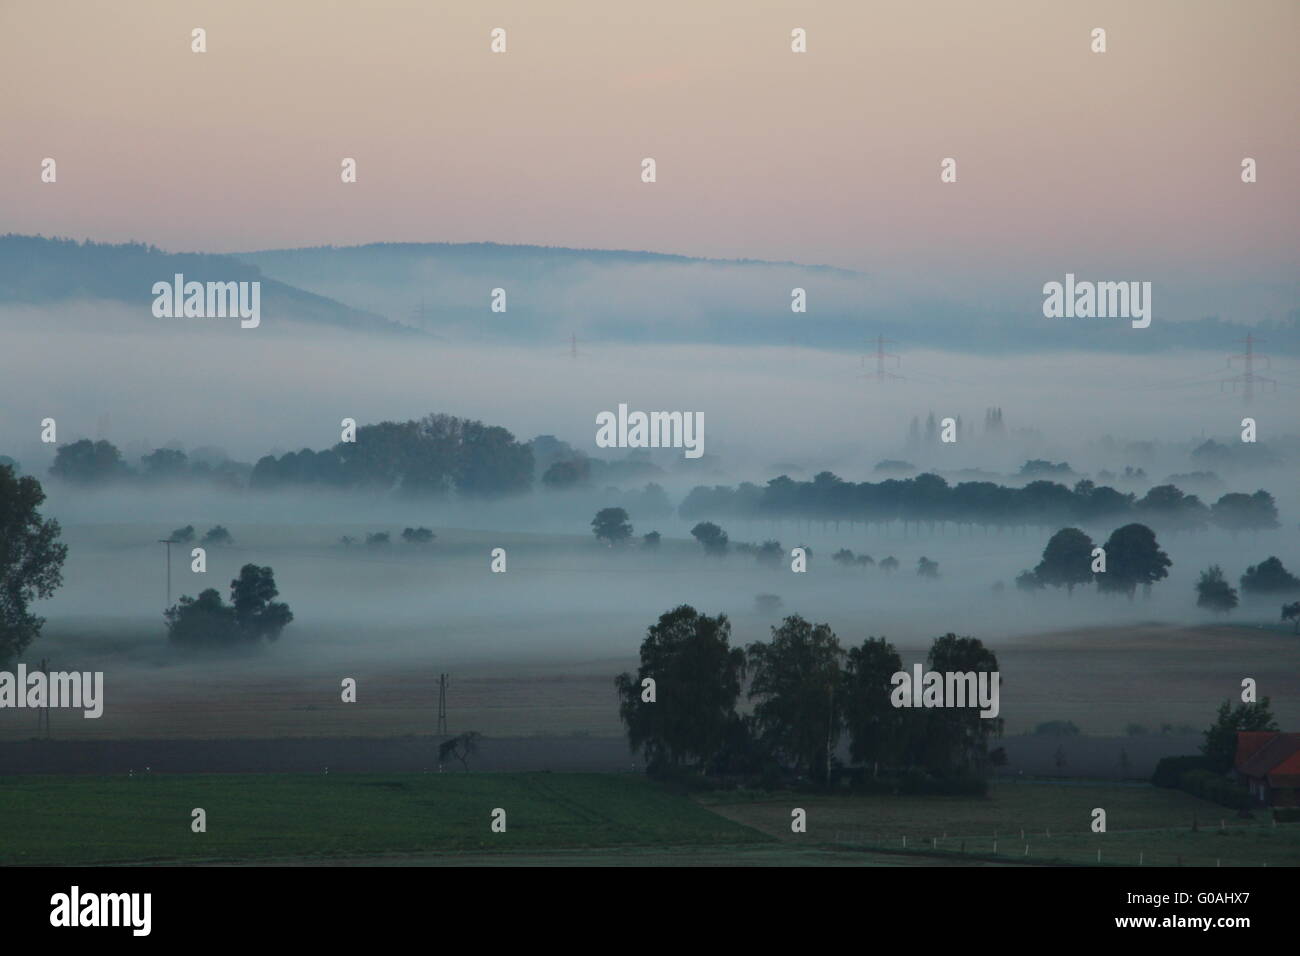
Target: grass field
(66,820)
(1144,824)
(601,819)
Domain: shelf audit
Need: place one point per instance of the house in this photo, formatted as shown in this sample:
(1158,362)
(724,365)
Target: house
(1268,763)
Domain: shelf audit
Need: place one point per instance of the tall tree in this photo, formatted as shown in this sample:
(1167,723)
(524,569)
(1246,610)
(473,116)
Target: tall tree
(872,722)
(1133,557)
(1067,560)
(611,526)
(256,613)
(1214,593)
(696,676)
(712,538)
(1220,746)
(954,740)
(1270,576)
(31,560)
(87,463)
(795,679)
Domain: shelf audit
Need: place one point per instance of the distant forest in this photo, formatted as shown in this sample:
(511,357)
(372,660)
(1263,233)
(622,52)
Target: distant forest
(441,454)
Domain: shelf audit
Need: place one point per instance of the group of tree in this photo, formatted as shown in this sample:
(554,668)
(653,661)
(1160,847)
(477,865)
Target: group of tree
(216,536)
(252,615)
(1270,576)
(31,560)
(1204,774)
(929,499)
(612,527)
(433,456)
(807,691)
(1132,557)
(89,463)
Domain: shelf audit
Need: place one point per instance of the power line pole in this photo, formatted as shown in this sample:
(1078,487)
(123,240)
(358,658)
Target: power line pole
(1248,377)
(882,357)
(442,704)
(43,715)
(168,542)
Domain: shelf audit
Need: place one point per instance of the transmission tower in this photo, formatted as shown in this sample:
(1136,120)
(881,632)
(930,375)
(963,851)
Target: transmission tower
(1248,377)
(883,358)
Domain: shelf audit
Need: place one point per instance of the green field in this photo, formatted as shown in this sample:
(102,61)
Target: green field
(80,820)
(605,820)
(1144,824)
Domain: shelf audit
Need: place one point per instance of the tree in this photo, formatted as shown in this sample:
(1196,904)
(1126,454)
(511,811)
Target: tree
(205,621)
(31,560)
(418,536)
(871,720)
(462,747)
(795,677)
(182,535)
(889,564)
(164,464)
(217,535)
(1213,591)
(611,526)
(1291,612)
(379,539)
(87,463)
(570,473)
(1133,557)
(843,556)
(1029,582)
(1239,512)
(1269,577)
(208,622)
(1220,746)
(1067,560)
(650,541)
(256,613)
(697,677)
(712,538)
(927,568)
(770,554)
(954,740)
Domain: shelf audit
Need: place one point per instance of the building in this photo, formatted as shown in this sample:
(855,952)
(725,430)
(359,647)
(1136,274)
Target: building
(1268,763)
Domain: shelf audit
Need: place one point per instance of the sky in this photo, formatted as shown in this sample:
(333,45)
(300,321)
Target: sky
(1122,165)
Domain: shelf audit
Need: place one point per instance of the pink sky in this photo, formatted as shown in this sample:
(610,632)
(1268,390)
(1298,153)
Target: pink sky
(1125,163)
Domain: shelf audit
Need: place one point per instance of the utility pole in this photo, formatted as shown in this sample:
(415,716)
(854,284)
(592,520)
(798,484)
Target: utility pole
(442,704)
(573,344)
(168,542)
(43,715)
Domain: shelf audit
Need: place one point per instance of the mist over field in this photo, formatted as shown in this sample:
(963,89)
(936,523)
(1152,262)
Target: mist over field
(568,604)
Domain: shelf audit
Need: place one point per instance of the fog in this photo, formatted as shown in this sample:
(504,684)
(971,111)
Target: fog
(567,600)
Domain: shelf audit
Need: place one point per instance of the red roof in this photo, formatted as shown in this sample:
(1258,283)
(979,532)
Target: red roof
(1249,741)
(1271,755)
(1287,773)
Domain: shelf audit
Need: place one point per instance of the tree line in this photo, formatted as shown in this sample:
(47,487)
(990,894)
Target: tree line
(929,500)
(807,693)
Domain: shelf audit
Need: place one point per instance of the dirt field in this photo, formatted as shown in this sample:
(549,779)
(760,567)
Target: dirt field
(1101,679)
